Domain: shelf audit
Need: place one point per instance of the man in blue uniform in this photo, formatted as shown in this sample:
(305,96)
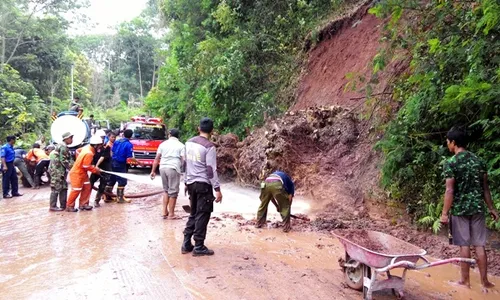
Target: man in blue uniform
(9,175)
(121,151)
(279,189)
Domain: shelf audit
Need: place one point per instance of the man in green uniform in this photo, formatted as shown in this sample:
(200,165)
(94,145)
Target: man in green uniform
(279,189)
(467,192)
(60,163)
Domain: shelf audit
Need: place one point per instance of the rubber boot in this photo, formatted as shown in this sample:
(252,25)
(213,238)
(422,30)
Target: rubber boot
(63,196)
(187,246)
(37,182)
(53,199)
(120,191)
(97,199)
(108,189)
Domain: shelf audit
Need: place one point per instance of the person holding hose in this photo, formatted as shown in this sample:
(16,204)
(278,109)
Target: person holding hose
(279,189)
(467,198)
(201,179)
(122,151)
(60,163)
(79,179)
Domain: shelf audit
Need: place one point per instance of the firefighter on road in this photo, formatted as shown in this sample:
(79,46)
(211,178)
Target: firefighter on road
(80,182)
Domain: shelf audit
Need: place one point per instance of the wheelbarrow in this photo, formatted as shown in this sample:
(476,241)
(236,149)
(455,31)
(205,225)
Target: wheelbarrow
(362,266)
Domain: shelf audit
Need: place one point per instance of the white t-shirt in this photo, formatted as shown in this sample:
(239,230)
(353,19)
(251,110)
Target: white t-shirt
(171,152)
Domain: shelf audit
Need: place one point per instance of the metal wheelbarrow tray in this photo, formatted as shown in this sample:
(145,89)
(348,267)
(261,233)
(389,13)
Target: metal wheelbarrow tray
(372,253)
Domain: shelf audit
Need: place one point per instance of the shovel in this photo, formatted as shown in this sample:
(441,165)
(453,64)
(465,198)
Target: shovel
(187,208)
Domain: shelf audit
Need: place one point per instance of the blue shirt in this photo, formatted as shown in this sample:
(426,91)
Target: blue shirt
(8,152)
(122,149)
(287,182)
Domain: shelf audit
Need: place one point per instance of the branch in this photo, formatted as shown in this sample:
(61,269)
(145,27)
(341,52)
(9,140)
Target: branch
(374,95)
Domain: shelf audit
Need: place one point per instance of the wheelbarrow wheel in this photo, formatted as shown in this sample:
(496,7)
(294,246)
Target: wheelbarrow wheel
(354,276)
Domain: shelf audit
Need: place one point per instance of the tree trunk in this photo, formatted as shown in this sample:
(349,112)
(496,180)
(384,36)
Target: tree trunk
(154,74)
(139,69)
(2,61)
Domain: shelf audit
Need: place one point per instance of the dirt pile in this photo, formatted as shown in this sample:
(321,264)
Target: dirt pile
(320,148)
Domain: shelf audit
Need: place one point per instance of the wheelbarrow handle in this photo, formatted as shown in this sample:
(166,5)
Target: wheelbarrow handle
(446,261)
(409,265)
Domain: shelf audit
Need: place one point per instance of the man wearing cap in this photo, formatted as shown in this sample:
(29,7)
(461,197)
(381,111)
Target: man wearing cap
(9,175)
(79,179)
(170,157)
(279,189)
(60,163)
(201,179)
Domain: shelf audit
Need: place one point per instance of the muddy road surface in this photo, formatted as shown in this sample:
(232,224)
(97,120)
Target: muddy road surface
(129,252)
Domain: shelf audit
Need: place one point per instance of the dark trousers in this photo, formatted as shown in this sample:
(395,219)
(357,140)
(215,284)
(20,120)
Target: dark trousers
(121,168)
(41,166)
(103,181)
(9,180)
(201,198)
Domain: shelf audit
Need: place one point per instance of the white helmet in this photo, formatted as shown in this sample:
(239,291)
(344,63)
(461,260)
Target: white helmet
(100,133)
(96,140)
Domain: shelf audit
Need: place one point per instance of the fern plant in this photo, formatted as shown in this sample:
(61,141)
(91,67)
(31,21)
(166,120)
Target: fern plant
(432,220)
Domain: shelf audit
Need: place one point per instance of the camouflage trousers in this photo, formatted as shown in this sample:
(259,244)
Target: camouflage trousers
(59,187)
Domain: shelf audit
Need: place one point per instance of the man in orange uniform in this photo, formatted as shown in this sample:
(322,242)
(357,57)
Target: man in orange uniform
(79,178)
(38,158)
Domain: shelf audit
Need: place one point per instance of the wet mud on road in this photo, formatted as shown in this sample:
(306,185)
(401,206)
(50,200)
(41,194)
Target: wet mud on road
(129,252)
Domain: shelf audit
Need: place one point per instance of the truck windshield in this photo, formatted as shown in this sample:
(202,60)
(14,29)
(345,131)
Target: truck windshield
(148,131)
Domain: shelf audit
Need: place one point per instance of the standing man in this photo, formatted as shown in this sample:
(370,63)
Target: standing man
(170,157)
(9,175)
(21,165)
(80,182)
(201,178)
(41,160)
(121,151)
(102,160)
(60,164)
(279,189)
(467,192)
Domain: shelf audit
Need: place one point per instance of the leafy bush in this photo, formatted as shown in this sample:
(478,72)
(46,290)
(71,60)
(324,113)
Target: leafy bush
(230,59)
(454,79)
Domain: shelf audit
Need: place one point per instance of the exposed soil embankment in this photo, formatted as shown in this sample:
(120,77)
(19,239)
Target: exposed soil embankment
(324,149)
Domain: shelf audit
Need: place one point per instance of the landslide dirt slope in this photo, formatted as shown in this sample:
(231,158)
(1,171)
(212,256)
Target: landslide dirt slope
(321,142)
(345,51)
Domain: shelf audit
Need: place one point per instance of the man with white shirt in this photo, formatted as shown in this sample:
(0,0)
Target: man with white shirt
(170,157)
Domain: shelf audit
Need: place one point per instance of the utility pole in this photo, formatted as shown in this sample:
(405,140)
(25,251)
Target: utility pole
(72,71)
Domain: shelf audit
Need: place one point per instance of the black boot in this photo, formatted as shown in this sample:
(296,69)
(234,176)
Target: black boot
(108,189)
(202,251)
(97,199)
(187,246)
(63,196)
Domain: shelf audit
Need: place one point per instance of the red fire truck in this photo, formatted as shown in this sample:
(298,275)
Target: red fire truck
(149,133)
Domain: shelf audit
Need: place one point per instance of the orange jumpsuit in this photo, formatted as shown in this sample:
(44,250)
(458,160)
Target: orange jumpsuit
(79,178)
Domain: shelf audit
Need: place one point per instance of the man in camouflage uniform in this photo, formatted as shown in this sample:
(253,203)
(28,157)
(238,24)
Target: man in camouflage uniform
(60,163)
(467,192)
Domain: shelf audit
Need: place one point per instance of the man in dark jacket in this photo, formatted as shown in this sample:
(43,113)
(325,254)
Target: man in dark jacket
(201,179)
(20,163)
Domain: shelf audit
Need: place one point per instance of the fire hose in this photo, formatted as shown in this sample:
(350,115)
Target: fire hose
(131,177)
(133,196)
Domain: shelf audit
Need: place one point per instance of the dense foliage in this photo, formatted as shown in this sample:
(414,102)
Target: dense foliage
(38,56)
(230,59)
(454,79)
